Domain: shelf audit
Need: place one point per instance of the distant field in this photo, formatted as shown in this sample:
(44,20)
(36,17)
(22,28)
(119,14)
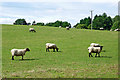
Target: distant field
(72,60)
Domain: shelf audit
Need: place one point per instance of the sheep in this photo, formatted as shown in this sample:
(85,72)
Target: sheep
(94,45)
(101,28)
(96,50)
(32,29)
(67,28)
(117,30)
(19,52)
(51,46)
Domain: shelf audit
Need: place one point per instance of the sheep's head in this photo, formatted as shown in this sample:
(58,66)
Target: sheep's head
(27,49)
(101,47)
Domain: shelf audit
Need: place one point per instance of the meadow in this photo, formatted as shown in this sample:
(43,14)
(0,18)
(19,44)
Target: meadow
(72,60)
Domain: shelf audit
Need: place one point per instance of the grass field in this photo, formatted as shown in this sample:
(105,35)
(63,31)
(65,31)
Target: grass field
(72,60)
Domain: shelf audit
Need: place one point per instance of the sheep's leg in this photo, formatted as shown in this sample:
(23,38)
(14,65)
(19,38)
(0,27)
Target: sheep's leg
(46,49)
(22,57)
(12,57)
(90,55)
(53,49)
(96,55)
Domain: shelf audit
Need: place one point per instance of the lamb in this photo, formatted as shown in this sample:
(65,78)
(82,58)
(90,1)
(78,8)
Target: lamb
(96,50)
(19,52)
(67,28)
(32,29)
(51,46)
(94,45)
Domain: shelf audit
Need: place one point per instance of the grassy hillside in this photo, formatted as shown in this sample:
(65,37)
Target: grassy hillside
(72,60)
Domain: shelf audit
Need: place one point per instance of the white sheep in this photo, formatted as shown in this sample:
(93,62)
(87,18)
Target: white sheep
(96,50)
(117,30)
(51,46)
(32,29)
(94,45)
(19,52)
(67,28)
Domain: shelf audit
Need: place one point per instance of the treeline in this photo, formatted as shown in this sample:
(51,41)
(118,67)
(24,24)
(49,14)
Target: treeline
(100,21)
(55,24)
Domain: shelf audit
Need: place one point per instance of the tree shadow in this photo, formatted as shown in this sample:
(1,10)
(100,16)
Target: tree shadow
(27,59)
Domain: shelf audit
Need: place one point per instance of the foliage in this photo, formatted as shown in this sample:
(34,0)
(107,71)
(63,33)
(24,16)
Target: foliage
(116,18)
(20,22)
(40,24)
(98,22)
(86,21)
(76,25)
(59,23)
(116,25)
(102,21)
(81,26)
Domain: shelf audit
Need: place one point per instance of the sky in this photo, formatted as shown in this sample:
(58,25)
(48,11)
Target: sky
(52,10)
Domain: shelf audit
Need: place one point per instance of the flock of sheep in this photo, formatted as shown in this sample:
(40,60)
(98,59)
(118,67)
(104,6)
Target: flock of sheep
(94,48)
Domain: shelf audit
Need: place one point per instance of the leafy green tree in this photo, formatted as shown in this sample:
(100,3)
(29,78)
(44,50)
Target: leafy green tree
(57,23)
(116,18)
(89,27)
(76,25)
(20,22)
(116,25)
(66,24)
(98,22)
(102,21)
(81,26)
(86,21)
(40,24)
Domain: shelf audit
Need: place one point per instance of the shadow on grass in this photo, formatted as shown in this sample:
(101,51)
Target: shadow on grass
(27,59)
(55,51)
(104,57)
(103,51)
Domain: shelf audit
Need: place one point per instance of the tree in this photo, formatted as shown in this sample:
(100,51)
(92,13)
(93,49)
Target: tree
(59,23)
(116,25)
(102,21)
(108,23)
(86,21)
(98,22)
(33,23)
(66,24)
(20,22)
(116,18)
(81,26)
(40,24)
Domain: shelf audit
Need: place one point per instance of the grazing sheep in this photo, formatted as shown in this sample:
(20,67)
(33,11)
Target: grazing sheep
(51,46)
(94,45)
(32,29)
(117,30)
(19,52)
(101,28)
(96,50)
(67,28)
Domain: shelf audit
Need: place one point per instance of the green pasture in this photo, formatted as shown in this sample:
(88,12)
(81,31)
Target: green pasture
(72,60)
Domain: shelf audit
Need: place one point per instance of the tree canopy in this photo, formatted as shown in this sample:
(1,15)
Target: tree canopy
(20,22)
